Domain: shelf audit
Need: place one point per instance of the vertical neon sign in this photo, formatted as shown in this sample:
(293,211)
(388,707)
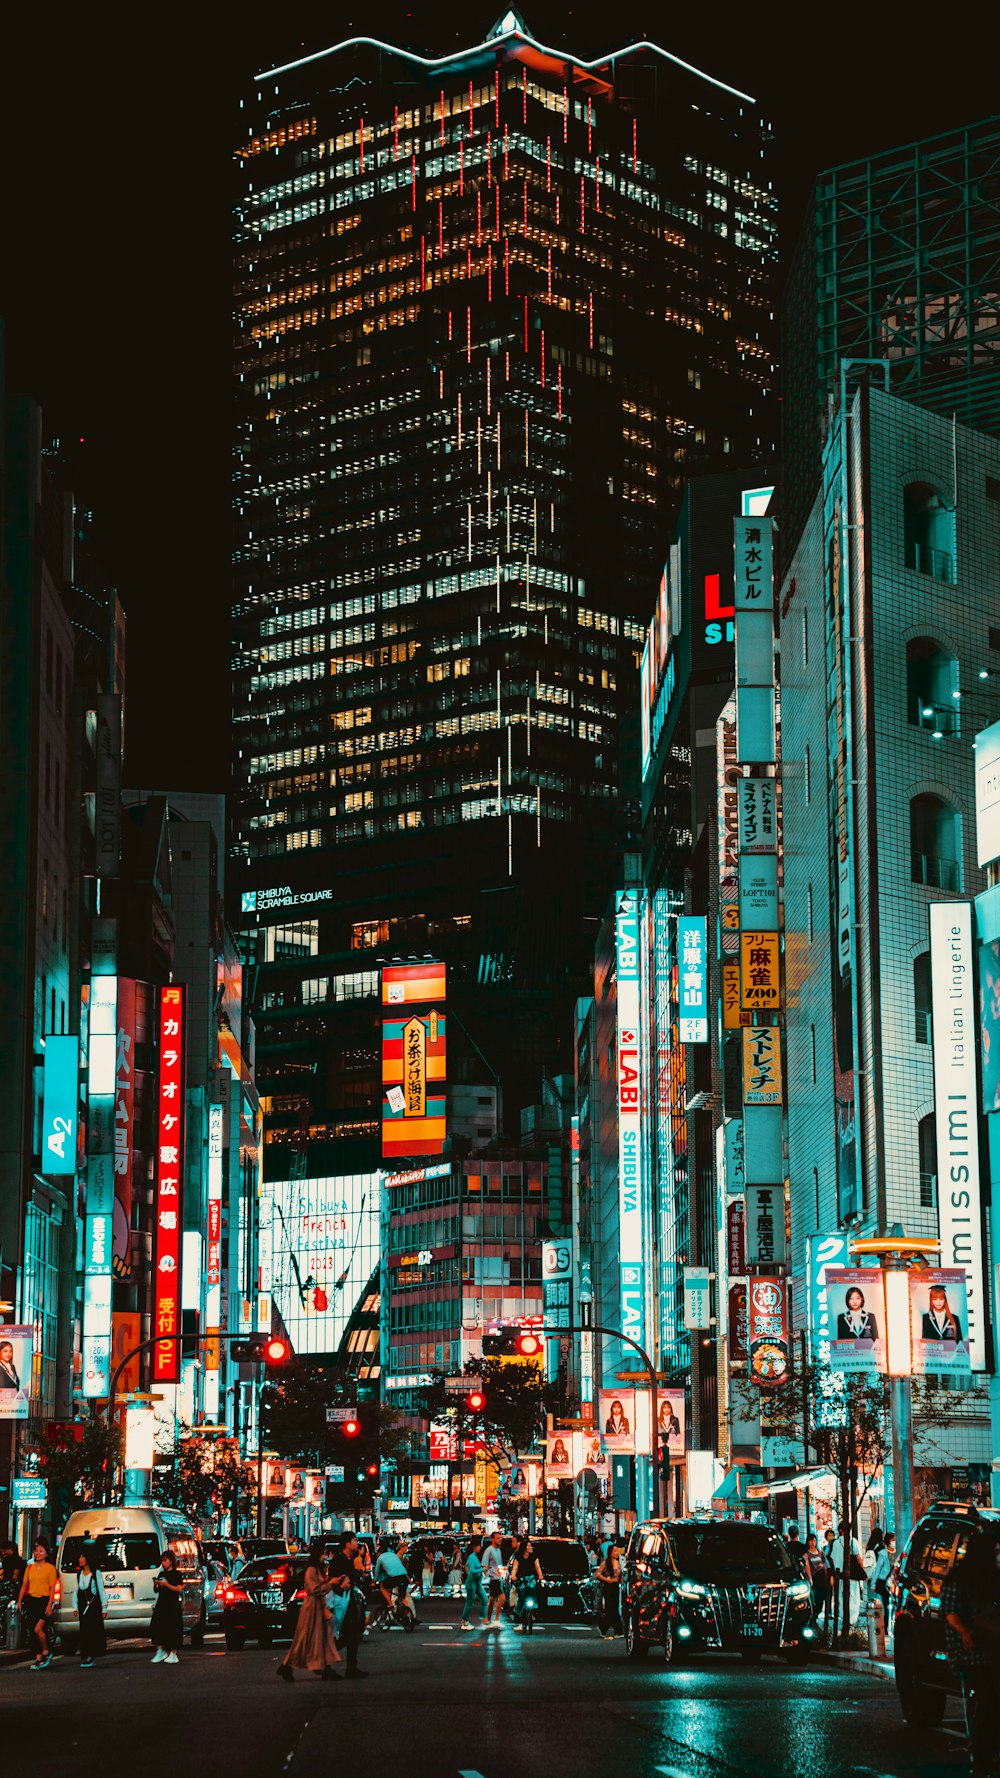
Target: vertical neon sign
(169,1151)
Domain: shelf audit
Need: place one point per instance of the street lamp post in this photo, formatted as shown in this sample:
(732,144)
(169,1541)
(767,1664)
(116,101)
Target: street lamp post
(654,1400)
(895,1253)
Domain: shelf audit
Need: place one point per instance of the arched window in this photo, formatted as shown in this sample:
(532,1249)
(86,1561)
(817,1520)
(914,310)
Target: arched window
(928,531)
(935,844)
(922,997)
(931,687)
(927,1146)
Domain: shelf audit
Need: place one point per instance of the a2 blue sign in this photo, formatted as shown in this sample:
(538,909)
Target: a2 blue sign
(60,1104)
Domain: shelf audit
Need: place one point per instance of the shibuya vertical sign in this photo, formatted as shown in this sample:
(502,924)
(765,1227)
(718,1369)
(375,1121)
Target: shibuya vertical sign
(956,1108)
(169,1175)
(631,1280)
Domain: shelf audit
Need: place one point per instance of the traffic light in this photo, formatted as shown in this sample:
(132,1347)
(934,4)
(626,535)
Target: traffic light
(350,1428)
(529,1345)
(509,1342)
(272,1350)
(475,1401)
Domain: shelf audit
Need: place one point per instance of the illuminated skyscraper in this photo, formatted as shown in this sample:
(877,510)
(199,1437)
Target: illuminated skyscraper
(492,310)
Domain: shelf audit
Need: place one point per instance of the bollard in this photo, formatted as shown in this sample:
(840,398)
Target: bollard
(876,1628)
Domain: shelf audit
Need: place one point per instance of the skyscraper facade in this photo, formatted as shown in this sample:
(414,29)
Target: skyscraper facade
(492,310)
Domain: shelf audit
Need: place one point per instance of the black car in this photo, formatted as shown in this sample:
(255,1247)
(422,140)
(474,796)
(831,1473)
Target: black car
(567,1591)
(924,1679)
(692,1584)
(262,1604)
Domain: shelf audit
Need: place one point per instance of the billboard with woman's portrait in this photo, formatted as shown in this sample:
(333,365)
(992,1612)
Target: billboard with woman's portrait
(939,1321)
(856,1303)
(560,1456)
(616,1408)
(16,1347)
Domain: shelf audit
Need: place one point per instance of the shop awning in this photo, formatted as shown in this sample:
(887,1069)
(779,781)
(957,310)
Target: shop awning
(732,1490)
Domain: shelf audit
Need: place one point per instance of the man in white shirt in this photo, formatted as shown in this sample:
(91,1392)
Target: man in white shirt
(493,1576)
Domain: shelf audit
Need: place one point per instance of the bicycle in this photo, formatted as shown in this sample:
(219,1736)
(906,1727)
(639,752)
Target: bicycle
(401,1613)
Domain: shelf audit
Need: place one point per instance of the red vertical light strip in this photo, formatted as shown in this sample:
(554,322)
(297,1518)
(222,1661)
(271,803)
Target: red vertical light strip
(550,274)
(489,158)
(565,114)
(506,267)
(524,95)
(468,336)
(423,262)
(169,1183)
(468,262)
(461,166)
(506,151)
(559,391)
(489,272)
(479,216)
(525,209)
(590,127)
(498,212)
(395,134)
(583,219)
(597,180)
(449,324)
(440,228)
(442,117)
(557,209)
(470,108)
(591,304)
(548,163)
(506,374)
(635,149)
(496,96)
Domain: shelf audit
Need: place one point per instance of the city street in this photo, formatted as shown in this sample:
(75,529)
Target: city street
(460,1705)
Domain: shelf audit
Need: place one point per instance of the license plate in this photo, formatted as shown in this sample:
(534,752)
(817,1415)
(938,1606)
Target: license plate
(117,1594)
(752,1630)
(556,1599)
(272,1597)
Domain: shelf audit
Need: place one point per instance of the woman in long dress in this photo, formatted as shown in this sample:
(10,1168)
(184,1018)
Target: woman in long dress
(166,1626)
(313,1648)
(90,1605)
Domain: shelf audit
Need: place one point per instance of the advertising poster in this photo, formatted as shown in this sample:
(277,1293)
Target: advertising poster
(759,967)
(16,1347)
(939,1321)
(767,1331)
(617,1411)
(692,963)
(672,1420)
(989,1023)
(736,1252)
(856,1308)
(595,1457)
(414,1059)
(560,1457)
(765,1225)
(733,1016)
(762,1065)
(738,1350)
(956,1110)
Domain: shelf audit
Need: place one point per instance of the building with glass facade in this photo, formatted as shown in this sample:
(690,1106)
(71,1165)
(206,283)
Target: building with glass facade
(897,262)
(492,310)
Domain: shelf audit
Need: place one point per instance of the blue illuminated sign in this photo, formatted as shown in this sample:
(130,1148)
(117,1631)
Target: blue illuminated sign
(60,1104)
(692,958)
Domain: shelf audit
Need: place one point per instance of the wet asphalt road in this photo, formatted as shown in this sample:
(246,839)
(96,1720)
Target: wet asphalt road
(442,1702)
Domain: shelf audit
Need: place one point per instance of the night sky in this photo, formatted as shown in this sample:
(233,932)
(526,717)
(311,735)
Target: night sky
(117,126)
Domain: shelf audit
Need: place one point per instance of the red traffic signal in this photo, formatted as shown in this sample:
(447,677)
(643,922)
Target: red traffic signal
(529,1345)
(372,1470)
(350,1428)
(475,1401)
(277,1352)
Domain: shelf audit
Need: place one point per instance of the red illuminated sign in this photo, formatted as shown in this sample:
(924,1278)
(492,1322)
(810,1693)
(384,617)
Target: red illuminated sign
(169,1160)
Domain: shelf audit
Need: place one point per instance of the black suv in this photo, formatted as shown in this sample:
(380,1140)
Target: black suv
(708,1583)
(924,1680)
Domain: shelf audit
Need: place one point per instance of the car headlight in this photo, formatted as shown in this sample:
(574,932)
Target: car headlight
(692,1589)
(799,1589)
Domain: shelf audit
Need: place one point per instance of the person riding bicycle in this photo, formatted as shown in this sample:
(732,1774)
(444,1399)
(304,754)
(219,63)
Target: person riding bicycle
(391,1576)
(526,1574)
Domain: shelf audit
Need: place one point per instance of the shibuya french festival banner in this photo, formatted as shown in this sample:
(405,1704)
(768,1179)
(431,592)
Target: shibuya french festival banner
(939,1321)
(16,1347)
(856,1307)
(617,1411)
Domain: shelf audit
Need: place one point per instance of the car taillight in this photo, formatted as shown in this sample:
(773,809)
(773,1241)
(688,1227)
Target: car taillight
(57,1591)
(235,1596)
(221,1589)
(298,1597)
(278,1577)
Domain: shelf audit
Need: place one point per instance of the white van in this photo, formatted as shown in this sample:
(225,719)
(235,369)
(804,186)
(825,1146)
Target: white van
(130,1541)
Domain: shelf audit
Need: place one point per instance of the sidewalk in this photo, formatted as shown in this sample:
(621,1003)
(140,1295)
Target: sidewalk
(857,1660)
